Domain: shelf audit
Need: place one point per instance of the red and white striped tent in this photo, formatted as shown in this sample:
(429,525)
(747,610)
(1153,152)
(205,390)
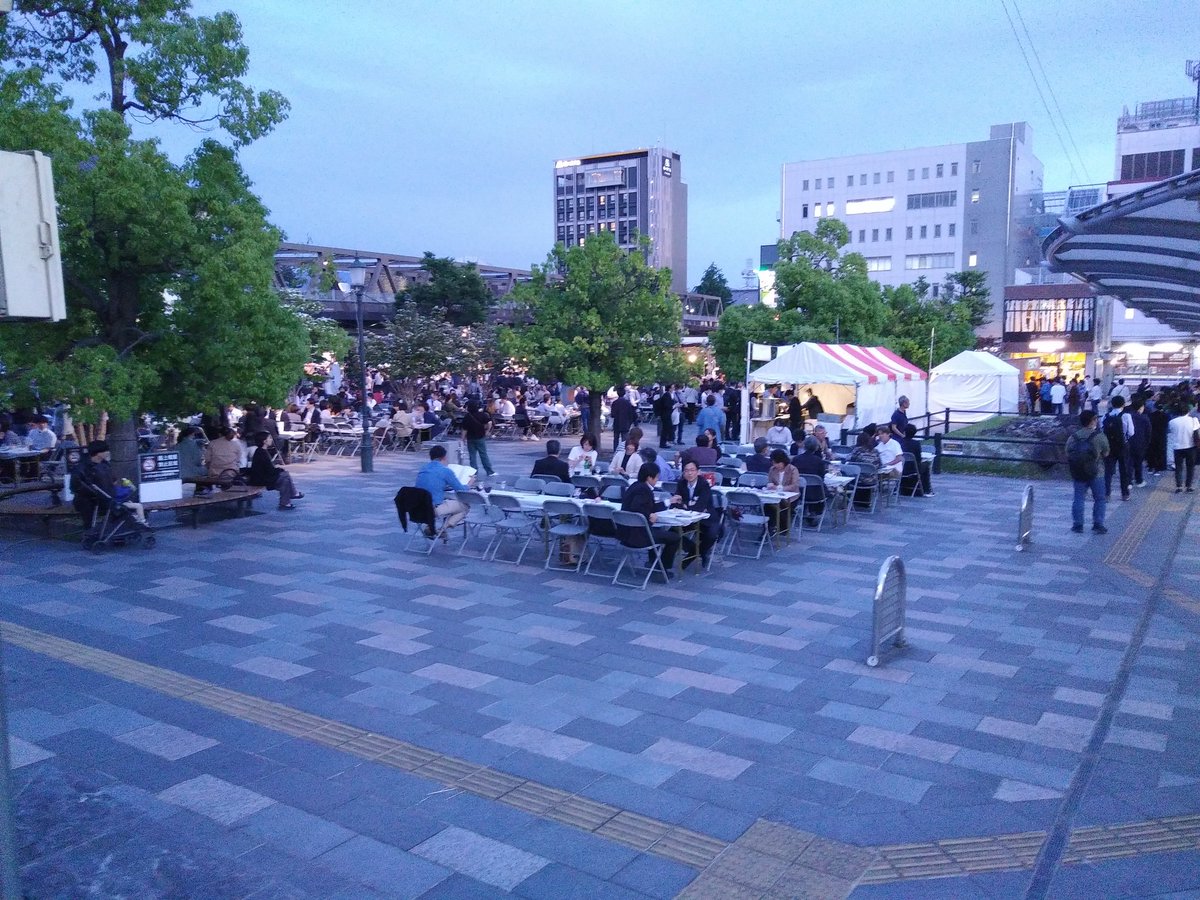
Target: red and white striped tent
(872,378)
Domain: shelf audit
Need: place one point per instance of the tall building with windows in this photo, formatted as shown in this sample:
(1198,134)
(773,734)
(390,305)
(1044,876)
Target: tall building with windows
(1159,139)
(926,211)
(632,193)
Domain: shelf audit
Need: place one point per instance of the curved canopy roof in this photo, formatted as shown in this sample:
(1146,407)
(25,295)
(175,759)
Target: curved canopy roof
(1143,249)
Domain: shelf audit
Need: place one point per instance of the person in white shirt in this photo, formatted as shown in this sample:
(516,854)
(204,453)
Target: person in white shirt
(1058,395)
(40,437)
(434,403)
(779,434)
(1181,446)
(582,460)
(1095,395)
(506,408)
(891,454)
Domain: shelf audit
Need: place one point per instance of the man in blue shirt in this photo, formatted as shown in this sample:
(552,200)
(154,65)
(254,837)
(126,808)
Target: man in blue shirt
(435,476)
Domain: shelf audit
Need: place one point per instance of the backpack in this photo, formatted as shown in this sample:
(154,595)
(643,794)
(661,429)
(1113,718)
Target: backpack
(1114,430)
(1081,457)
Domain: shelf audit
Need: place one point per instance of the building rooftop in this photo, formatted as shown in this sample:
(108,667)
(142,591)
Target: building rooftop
(1160,114)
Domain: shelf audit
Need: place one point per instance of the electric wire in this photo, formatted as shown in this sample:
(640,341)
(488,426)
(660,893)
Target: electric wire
(1041,95)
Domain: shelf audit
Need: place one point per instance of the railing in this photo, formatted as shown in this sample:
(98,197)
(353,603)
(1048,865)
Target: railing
(887,618)
(1046,453)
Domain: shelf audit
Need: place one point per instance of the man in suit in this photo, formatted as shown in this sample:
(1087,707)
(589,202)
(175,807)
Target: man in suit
(811,462)
(623,416)
(550,464)
(663,406)
(760,461)
(694,494)
(640,499)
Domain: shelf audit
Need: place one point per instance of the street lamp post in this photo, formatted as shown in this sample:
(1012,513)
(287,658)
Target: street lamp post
(358,281)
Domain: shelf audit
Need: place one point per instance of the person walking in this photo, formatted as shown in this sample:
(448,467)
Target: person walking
(476,426)
(623,416)
(1085,449)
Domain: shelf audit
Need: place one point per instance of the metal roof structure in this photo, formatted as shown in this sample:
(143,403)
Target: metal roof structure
(1142,248)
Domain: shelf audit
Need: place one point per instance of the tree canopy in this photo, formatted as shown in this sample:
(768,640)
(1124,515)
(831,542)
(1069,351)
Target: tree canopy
(168,267)
(713,283)
(456,289)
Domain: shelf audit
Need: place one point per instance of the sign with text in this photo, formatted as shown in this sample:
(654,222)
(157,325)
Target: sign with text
(159,477)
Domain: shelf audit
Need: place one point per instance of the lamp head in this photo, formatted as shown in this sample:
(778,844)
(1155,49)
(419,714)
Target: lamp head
(358,273)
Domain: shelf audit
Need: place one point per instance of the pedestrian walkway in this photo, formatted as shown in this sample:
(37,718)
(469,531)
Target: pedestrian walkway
(288,706)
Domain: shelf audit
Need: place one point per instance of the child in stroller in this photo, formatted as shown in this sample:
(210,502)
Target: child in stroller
(109,519)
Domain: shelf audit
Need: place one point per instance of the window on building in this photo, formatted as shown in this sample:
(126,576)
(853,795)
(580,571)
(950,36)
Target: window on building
(972,259)
(976,166)
(933,200)
(804,211)
(879,264)
(862,235)
(804,185)
(862,179)
(875,178)
(849,181)
(941,170)
(816,210)
(937,231)
(951,229)
(929,261)
(1152,166)
(1196,159)
(562,210)
(562,236)
(874,235)
(829,208)
(974,226)
(975,196)
(912,174)
(891,177)
(935,291)
(924,172)
(924,231)
(818,184)
(953,168)
(870,205)
(887,234)
(633,204)
(908,233)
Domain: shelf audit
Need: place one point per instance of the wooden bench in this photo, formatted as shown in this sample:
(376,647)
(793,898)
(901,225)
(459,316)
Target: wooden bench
(34,487)
(240,497)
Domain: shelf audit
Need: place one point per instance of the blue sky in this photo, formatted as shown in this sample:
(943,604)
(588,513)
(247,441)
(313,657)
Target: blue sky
(435,126)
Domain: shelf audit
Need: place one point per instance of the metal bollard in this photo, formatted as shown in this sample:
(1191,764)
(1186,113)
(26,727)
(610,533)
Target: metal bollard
(891,590)
(1025,519)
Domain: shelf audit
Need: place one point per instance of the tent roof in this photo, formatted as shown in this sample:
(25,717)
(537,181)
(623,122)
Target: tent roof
(974,362)
(810,363)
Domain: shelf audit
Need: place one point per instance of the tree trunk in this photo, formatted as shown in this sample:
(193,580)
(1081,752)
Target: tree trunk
(122,441)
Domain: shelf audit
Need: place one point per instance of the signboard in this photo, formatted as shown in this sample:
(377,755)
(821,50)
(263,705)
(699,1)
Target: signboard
(952,448)
(666,166)
(1162,363)
(605,177)
(159,477)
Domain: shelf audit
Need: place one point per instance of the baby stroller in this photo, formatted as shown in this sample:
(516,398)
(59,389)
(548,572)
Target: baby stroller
(107,521)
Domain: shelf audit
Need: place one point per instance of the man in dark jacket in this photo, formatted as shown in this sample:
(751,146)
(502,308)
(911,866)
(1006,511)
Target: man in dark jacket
(662,409)
(695,495)
(760,461)
(623,417)
(640,499)
(476,424)
(550,464)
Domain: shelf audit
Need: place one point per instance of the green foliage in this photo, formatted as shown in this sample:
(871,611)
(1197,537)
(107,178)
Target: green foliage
(969,289)
(457,289)
(600,316)
(835,298)
(713,283)
(739,325)
(168,267)
(420,345)
(915,315)
(324,334)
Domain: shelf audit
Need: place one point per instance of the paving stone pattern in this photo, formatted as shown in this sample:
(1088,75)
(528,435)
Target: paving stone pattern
(723,704)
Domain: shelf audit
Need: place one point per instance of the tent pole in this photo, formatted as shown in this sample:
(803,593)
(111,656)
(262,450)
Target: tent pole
(744,423)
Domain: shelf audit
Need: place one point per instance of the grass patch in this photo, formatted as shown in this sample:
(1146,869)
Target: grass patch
(980,427)
(997,467)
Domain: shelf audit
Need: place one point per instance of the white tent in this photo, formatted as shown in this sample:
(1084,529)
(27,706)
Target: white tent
(975,384)
(872,378)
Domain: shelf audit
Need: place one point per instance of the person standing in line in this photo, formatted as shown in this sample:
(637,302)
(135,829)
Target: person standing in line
(1085,449)
(1118,429)
(1058,395)
(1095,395)
(476,425)
(1181,446)
(1139,444)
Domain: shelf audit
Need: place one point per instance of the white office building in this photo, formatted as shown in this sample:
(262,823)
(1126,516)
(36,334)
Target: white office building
(926,211)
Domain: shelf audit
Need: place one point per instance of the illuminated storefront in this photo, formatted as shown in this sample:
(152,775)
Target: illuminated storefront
(1052,329)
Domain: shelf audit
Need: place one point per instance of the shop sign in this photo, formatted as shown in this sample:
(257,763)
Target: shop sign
(1162,363)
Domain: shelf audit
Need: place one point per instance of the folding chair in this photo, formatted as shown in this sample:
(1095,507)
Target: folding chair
(752,480)
(406,498)
(729,475)
(529,485)
(638,548)
(912,476)
(811,487)
(602,534)
(613,481)
(515,524)
(748,521)
(868,480)
(587,483)
(843,500)
(548,479)
(564,521)
(889,487)
(558,489)
(480,515)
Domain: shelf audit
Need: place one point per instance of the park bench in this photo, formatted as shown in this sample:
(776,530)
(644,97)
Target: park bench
(54,488)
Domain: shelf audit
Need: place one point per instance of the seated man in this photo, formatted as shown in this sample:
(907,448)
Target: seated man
(761,460)
(694,494)
(702,454)
(421,414)
(810,462)
(891,460)
(435,476)
(822,436)
(402,420)
(910,444)
(650,457)
(226,454)
(191,457)
(40,437)
(640,499)
(779,434)
(550,464)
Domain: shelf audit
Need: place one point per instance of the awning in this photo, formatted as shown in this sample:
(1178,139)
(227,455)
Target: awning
(1142,248)
(876,363)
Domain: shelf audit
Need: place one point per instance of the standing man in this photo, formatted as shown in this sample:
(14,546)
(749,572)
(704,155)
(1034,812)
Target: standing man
(583,399)
(692,399)
(1095,395)
(1085,449)
(1139,444)
(712,416)
(1118,429)
(1058,395)
(733,412)
(476,425)
(1181,446)
(623,416)
(899,425)
(664,403)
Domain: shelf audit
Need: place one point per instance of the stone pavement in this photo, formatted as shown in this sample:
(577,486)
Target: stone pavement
(287,706)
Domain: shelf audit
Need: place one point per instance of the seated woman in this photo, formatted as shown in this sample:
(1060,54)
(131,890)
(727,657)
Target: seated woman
(865,452)
(264,473)
(402,420)
(582,460)
(521,420)
(627,463)
(784,476)
(191,457)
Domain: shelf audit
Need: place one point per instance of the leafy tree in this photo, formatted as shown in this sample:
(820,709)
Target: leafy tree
(835,298)
(168,267)
(418,345)
(600,317)
(970,288)
(740,325)
(916,316)
(455,288)
(713,284)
